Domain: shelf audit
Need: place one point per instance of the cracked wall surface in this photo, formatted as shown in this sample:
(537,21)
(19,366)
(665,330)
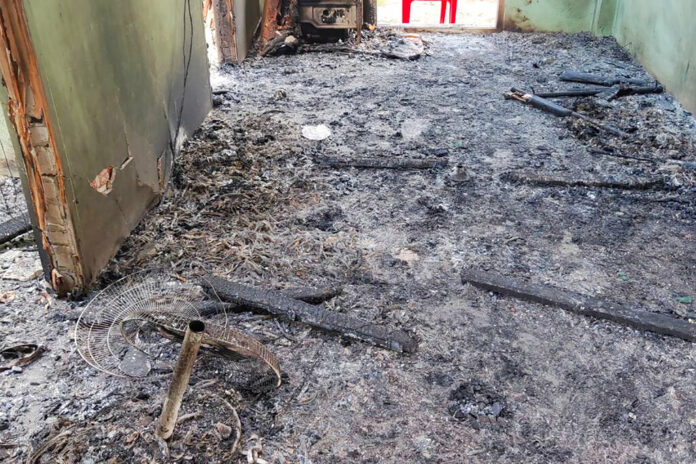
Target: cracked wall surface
(102,138)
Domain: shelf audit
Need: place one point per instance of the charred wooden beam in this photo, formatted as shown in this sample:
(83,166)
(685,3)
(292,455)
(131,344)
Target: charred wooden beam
(557,180)
(582,304)
(370,13)
(307,294)
(611,92)
(382,163)
(14,228)
(279,305)
(588,78)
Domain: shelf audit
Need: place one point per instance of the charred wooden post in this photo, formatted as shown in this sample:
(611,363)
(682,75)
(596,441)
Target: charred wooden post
(269,23)
(224,31)
(307,294)
(370,13)
(182,372)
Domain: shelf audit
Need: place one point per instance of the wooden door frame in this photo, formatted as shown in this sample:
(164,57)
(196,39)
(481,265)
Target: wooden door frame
(45,182)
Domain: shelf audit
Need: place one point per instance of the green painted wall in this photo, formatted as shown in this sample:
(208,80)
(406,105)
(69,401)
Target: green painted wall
(605,12)
(662,36)
(113,72)
(550,15)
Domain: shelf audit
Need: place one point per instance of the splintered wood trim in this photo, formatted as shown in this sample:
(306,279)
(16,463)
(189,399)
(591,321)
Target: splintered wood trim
(29,115)
(225,38)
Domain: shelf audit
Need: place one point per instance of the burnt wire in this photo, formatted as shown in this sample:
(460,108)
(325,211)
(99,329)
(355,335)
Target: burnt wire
(186,59)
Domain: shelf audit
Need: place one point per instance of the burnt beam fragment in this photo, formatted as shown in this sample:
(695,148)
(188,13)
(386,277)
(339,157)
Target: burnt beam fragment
(14,227)
(382,163)
(279,305)
(615,91)
(588,78)
(582,304)
(307,294)
(560,180)
(370,12)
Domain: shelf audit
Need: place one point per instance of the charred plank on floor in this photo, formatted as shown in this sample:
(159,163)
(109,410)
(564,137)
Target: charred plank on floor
(560,180)
(276,303)
(582,304)
(307,294)
(382,163)
(14,227)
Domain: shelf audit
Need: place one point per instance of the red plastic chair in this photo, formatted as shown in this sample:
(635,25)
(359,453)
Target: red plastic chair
(406,10)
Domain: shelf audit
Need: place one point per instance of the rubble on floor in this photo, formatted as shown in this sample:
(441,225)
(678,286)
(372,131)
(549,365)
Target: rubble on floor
(494,378)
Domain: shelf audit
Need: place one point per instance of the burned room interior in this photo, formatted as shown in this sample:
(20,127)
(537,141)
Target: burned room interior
(348,231)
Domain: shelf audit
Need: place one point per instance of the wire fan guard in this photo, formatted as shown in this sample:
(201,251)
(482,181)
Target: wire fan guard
(124,329)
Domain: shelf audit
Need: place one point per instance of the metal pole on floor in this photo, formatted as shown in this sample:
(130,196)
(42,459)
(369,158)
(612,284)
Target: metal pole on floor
(180,379)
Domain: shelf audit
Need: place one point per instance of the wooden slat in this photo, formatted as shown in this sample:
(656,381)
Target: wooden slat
(582,304)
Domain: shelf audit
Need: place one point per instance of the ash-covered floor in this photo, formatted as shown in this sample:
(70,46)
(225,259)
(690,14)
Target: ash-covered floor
(495,379)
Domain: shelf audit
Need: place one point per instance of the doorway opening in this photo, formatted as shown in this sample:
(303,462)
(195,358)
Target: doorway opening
(470,14)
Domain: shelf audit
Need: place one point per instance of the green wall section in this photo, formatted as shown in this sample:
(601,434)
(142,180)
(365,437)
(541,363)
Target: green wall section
(550,15)
(662,36)
(113,72)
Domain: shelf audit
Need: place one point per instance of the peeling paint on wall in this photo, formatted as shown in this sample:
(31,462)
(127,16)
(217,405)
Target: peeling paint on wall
(104,181)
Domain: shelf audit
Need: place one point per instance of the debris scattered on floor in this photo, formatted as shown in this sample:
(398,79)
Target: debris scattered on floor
(583,304)
(561,111)
(20,265)
(408,47)
(117,332)
(8,296)
(476,403)
(494,378)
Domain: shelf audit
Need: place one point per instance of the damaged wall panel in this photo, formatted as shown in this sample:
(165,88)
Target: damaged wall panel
(97,98)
